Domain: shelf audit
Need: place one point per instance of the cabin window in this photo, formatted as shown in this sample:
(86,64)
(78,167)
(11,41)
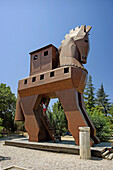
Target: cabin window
(25,81)
(35,57)
(45,53)
(42,77)
(33,79)
(52,74)
(66,70)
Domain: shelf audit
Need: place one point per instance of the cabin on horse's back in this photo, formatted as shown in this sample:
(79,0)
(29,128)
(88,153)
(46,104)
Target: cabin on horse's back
(43,59)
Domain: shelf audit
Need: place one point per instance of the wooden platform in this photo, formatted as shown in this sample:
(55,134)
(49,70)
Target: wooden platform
(61,147)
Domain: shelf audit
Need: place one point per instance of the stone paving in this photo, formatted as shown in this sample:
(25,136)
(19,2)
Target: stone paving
(42,160)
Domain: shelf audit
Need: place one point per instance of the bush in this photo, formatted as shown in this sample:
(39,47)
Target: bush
(101,124)
(20,126)
(1,128)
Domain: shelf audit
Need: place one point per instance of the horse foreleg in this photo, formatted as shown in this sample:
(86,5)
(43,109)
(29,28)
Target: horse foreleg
(89,122)
(74,115)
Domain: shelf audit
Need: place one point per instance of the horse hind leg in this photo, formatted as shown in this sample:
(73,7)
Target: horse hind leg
(33,124)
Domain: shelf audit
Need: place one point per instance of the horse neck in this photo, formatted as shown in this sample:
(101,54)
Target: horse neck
(77,54)
(69,42)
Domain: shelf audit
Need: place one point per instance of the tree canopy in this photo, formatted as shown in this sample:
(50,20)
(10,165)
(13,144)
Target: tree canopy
(89,98)
(102,100)
(7,107)
(58,119)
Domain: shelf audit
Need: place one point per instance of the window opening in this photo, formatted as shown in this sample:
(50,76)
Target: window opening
(42,77)
(45,53)
(25,81)
(66,70)
(33,79)
(35,57)
(52,74)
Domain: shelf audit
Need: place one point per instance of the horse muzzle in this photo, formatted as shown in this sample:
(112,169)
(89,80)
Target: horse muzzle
(84,59)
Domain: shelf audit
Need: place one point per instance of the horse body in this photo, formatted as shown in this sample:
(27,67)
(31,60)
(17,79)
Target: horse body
(66,83)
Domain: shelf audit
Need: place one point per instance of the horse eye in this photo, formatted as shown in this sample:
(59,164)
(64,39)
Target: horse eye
(86,41)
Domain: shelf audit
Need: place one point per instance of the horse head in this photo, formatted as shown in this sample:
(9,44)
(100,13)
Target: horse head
(75,47)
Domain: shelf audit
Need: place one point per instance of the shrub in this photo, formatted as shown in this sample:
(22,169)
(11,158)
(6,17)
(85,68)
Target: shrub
(1,128)
(101,124)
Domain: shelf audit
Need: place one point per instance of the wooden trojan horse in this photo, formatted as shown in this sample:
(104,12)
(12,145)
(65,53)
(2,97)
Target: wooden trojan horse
(56,74)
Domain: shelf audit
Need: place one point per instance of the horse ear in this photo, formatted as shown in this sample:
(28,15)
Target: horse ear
(83,27)
(88,28)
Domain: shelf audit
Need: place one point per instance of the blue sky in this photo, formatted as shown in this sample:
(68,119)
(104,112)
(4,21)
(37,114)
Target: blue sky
(26,25)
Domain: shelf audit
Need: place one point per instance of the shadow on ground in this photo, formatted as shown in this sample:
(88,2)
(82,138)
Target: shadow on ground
(10,137)
(68,142)
(103,144)
(96,159)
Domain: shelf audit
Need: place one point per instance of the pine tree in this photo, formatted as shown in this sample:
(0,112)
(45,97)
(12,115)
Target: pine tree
(111,110)
(102,100)
(89,98)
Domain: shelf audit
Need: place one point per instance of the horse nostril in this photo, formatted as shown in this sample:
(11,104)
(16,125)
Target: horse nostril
(84,57)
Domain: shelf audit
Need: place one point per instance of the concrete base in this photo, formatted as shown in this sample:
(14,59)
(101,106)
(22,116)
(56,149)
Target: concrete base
(54,147)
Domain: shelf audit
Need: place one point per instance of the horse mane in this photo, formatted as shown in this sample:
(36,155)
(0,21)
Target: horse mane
(77,33)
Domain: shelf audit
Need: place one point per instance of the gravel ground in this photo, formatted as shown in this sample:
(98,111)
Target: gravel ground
(41,160)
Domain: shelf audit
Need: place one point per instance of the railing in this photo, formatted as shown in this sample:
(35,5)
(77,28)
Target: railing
(41,77)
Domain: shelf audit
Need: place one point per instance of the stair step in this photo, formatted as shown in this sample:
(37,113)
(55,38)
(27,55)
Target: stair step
(106,157)
(110,156)
(105,154)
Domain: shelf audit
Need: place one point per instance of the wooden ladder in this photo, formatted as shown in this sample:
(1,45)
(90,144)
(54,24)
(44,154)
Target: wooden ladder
(49,127)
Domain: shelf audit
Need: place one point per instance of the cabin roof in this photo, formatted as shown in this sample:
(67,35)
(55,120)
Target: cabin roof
(47,46)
